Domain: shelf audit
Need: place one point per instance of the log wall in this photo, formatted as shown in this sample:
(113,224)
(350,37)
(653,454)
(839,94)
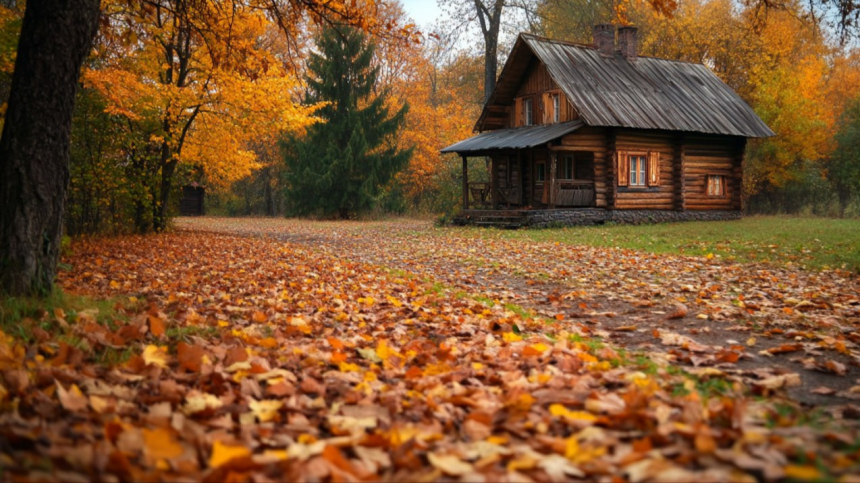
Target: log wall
(686,160)
(712,155)
(659,197)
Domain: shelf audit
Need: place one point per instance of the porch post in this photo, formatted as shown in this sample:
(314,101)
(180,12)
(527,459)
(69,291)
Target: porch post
(465,182)
(553,157)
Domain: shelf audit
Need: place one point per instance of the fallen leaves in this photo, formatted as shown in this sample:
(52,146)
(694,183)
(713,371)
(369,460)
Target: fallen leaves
(283,362)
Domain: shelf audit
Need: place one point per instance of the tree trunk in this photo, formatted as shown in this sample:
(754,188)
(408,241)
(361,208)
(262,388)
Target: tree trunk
(491,22)
(167,169)
(56,36)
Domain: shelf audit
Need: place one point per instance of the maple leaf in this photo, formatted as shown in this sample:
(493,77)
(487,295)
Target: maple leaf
(265,410)
(161,444)
(196,402)
(223,454)
(155,356)
(72,399)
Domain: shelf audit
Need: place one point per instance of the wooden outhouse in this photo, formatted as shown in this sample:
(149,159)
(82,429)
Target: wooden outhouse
(588,133)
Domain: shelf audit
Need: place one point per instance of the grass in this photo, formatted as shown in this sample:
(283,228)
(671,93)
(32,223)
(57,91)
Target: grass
(20,315)
(817,243)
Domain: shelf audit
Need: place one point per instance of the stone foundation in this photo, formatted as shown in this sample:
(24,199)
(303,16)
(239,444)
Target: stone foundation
(585,216)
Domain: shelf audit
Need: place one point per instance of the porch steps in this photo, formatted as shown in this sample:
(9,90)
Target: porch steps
(497,219)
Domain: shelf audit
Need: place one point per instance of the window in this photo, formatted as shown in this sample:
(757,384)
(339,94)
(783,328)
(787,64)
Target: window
(637,170)
(716,185)
(566,168)
(540,175)
(527,112)
(556,103)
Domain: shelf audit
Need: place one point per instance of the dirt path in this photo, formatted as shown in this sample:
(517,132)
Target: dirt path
(740,319)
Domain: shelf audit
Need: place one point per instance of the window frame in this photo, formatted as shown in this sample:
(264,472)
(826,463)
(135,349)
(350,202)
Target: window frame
(641,179)
(528,112)
(556,107)
(720,184)
(540,172)
(567,160)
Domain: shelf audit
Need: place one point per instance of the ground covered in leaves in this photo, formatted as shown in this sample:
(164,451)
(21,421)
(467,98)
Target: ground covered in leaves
(275,349)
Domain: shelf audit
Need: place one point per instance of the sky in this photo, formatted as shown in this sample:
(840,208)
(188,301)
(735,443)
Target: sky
(423,12)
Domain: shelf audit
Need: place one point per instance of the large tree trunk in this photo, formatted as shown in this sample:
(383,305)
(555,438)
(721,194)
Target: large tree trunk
(490,19)
(56,36)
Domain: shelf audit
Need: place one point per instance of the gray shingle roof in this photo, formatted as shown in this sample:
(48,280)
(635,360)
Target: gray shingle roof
(523,137)
(648,93)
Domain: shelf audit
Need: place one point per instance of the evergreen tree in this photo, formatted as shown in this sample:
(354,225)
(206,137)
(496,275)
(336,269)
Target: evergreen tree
(341,164)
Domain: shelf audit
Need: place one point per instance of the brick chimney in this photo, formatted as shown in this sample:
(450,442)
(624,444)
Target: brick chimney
(627,42)
(604,39)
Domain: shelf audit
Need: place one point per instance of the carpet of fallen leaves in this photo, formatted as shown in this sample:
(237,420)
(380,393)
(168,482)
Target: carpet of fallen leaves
(291,357)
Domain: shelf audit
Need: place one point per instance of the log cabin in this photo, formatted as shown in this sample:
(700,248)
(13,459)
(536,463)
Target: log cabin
(583,134)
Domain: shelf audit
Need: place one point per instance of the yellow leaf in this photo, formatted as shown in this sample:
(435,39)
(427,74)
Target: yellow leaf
(803,473)
(500,440)
(265,410)
(348,367)
(559,410)
(222,453)
(393,301)
(511,337)
(156,356)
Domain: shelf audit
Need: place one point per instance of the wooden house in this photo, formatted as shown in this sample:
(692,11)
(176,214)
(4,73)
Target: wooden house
(588,133)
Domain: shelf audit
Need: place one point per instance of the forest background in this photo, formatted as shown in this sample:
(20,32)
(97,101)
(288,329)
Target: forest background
(235,87)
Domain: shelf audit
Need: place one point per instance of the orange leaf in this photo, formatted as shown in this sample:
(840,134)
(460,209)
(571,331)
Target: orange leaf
(259,317)
(190,356)
(235,354)
(679,313)
(156,326)
(222,454)
(160,444)
(335,344)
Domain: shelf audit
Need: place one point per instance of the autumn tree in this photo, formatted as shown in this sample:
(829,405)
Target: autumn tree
(34,149)
(201,71)
(342,163)
(843,170)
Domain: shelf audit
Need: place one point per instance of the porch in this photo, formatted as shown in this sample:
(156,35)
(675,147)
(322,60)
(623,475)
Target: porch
(529,170)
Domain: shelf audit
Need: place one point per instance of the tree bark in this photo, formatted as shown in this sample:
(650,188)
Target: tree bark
(490,18)
(56,36)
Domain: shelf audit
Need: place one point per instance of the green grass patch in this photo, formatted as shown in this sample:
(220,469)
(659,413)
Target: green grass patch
(817,243)
(20,315)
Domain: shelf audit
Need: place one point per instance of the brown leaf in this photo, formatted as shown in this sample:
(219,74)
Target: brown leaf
(73,399)
(235,354)
(312,386)
(679,313)
(450,464)
(190,356)
(823,390)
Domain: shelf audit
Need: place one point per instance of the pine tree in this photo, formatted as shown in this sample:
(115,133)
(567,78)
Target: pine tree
(341,164)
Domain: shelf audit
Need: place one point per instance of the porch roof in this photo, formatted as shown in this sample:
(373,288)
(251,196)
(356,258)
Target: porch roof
(517,138)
